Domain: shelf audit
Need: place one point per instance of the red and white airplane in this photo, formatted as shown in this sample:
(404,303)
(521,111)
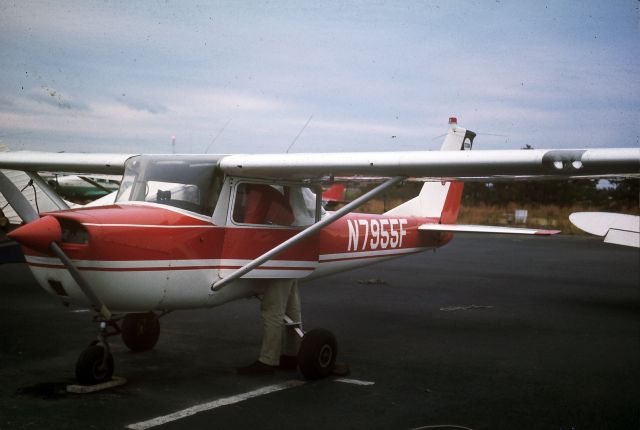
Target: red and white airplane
(192,231)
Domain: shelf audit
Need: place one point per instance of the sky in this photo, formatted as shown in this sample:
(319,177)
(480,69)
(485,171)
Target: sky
(247,76)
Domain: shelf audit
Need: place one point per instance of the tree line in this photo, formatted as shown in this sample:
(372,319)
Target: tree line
(615,194)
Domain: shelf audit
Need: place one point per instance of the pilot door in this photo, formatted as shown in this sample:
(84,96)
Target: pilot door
(261,216)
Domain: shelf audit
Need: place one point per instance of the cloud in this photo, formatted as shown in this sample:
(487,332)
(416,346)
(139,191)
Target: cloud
(122,72)
(54,97)
(43,100)
(141,105)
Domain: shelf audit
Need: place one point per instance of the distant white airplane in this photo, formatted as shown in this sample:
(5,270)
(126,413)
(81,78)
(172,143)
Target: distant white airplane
(619,229)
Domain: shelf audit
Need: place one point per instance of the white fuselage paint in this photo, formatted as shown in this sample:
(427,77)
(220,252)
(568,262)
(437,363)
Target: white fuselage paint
(129,286)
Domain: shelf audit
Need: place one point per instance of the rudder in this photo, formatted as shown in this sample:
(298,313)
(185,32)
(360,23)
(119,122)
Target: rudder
(440,199)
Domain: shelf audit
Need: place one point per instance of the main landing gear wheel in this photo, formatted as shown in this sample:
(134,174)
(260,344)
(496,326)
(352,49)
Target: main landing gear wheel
(317,355)
(94,366)
(140,332)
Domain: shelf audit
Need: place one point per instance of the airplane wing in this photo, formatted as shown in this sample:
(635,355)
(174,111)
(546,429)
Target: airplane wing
(452,165)
(460,165)
(35,161)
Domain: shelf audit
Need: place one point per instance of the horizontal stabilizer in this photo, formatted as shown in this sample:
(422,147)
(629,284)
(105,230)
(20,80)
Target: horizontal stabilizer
(487,229)
(623,237)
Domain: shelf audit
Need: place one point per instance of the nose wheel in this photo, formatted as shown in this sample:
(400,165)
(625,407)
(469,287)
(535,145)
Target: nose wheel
(139,331)
(94,366)
(95,363)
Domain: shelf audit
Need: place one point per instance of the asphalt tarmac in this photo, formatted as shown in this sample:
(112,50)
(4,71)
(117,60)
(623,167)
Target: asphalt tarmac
(486,333)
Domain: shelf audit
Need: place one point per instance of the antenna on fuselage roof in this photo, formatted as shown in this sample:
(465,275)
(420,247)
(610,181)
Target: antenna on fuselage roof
(217,136)
(295,139)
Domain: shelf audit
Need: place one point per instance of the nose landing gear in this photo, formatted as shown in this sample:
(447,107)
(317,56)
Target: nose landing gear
(140,332)
(95,364)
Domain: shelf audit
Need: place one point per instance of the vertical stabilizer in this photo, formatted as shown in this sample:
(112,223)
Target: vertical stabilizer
(440,199)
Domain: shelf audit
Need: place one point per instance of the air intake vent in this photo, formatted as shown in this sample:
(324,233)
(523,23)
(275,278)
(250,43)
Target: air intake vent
(73,232)
(57,288)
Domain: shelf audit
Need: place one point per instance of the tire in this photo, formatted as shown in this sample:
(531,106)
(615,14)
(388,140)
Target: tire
(140,332)
(318,352)
(89,369)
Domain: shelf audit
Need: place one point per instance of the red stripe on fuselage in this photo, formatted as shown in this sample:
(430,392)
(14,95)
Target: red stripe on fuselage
(165,268)
(114,236)
(153,233)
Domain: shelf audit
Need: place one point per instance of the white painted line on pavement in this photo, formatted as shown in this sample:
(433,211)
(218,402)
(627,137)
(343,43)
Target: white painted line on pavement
(354,381)
(214,404)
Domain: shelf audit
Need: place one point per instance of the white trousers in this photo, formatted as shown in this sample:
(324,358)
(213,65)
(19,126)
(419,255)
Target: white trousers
(280,298)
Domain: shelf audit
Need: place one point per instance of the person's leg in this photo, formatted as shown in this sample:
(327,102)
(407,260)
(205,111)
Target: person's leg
(293,311)
(273,307)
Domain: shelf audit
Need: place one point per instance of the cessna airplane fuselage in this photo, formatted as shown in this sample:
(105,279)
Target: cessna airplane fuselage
(141,257)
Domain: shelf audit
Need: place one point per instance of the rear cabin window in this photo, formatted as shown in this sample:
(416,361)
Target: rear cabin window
(277,205)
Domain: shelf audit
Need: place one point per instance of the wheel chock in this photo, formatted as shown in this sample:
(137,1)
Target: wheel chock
(116,381)
(341,369)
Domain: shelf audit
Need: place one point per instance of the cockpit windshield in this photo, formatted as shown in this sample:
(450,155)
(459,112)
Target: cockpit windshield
(182,181)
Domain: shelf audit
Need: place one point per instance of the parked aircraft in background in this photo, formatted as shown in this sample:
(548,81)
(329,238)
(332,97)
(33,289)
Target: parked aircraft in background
(619,229)
(83,189)
(334,196)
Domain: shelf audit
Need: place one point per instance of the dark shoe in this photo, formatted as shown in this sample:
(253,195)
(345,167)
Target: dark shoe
(256,368)
(288,362)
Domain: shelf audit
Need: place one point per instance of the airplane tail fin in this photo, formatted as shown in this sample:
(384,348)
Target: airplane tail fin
(440,200)
(334,194)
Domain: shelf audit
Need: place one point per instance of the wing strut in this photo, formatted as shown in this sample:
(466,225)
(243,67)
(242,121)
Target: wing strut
(309,231)
(29,215)
(98,305)
(17,201)
(55,198)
